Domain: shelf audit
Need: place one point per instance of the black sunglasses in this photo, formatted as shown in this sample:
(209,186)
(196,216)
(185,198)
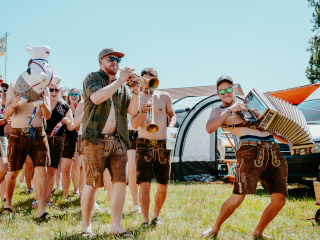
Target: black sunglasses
(54,89)
(223,91)
(114,58)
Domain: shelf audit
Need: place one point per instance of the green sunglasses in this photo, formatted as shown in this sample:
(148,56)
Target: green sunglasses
(223,91)
(74,94)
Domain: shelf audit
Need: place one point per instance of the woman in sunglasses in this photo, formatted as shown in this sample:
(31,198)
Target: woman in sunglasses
(68,155)
(61,112)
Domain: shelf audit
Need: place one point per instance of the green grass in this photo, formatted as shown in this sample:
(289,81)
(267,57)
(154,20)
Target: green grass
(190,208)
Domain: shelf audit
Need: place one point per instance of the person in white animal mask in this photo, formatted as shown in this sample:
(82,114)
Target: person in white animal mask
(27,135)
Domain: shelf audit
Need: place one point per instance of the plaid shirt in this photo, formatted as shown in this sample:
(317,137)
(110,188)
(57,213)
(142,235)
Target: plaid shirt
(95,116)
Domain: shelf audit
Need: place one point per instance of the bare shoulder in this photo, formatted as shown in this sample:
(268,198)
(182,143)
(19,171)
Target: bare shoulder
(163,95)
(81,103)
(215,112)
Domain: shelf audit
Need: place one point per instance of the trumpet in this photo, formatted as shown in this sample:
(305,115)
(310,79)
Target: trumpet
(153,83)
(151,126)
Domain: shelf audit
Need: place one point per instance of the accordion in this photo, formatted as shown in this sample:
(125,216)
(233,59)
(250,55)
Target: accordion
(278,116)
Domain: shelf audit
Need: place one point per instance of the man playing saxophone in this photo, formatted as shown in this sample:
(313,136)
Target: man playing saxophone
(151,153)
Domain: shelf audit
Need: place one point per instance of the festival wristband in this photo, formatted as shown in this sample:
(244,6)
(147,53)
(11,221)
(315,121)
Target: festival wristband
(12,107)
(229,112)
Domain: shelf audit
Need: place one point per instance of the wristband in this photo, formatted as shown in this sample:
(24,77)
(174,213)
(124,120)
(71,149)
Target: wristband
(135,93)
(143,112)
(12,107)
(229,112)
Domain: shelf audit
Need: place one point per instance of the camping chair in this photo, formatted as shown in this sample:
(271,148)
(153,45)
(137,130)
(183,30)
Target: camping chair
(231,163)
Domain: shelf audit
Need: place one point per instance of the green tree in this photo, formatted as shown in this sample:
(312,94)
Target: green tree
(313,70)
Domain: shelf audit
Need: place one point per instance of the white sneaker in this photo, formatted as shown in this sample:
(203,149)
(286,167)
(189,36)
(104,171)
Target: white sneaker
(136,208)
(34,203)
(95,206)
(59,188)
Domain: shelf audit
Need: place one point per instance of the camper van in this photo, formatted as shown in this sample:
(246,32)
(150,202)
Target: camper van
(306,167)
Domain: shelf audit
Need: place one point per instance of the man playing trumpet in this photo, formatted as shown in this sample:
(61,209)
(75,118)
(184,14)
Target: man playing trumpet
(105,135)
(151,153)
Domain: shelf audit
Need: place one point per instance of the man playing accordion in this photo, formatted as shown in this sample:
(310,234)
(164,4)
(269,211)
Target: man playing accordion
(258,157)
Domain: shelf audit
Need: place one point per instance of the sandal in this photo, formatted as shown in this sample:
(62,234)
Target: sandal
(263,237)
(86,234)
(7,211)
(45,216)
(145,225)
(156,221)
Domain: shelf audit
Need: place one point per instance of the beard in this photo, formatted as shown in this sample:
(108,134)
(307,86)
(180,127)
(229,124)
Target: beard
(111,71)
(227,103)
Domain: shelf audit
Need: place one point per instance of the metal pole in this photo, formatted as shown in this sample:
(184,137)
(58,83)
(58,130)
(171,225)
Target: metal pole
(5,71)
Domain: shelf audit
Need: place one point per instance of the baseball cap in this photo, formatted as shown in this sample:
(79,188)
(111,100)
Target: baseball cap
(108,51)
(224,78)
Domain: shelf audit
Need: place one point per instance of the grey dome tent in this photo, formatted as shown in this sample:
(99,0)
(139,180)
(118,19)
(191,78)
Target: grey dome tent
(195,149)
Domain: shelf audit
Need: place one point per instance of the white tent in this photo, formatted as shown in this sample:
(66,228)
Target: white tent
(195,149)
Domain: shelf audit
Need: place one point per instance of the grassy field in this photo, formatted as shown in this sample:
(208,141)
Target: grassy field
(188,210)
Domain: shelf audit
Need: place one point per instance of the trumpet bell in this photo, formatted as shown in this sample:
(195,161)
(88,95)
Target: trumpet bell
(152,128)
(153,83)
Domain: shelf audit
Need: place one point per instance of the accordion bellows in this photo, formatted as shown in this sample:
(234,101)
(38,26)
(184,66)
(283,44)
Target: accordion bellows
(282,118)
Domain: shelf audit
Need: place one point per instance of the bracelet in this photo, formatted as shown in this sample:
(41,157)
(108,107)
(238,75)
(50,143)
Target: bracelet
(143,112)
(229,112)
(12,107)
(135,93)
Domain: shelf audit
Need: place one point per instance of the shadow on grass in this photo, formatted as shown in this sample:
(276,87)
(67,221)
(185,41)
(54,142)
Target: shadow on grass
(76,216)
(177,182)
(24,207)
(63,205)
(135,232)
(295,192)
(301,192)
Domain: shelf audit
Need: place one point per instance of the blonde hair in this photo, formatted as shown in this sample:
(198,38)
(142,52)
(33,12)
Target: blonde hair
(77,90)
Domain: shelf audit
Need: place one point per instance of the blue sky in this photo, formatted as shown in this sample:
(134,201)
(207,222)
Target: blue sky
(260,44)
